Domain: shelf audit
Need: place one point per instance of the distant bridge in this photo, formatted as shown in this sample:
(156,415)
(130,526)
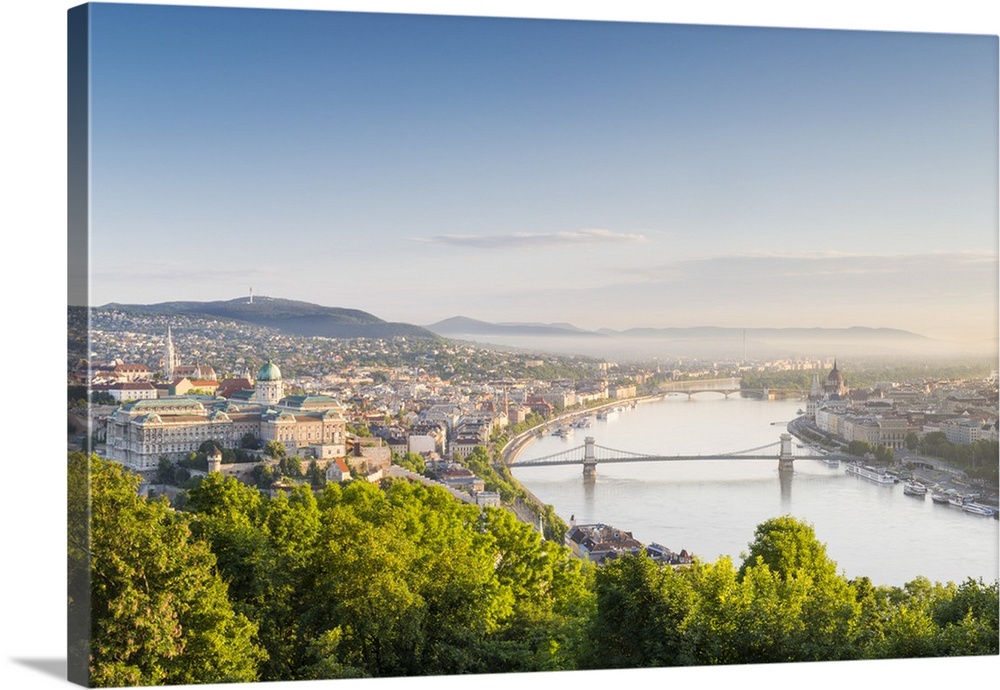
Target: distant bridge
(759,392)
(590,455)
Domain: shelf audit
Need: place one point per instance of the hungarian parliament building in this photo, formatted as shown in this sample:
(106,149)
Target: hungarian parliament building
(141,432)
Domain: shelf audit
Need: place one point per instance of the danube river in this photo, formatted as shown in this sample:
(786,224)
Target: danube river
(711,507)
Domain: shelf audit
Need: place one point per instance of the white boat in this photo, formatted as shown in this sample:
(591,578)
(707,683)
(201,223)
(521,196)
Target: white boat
(914,489)
(939,497)
(870,473)
(956,500)
(563,432)
(978,509)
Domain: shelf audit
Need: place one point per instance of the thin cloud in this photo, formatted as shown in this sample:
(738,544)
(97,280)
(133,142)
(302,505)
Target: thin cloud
(179,272)
(812,264)
(519,240)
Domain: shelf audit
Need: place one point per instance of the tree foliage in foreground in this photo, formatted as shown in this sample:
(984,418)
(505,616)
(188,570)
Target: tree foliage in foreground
(160,612)
(400,579)
(785,603)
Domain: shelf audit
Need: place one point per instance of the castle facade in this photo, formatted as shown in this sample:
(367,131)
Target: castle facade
(140,432)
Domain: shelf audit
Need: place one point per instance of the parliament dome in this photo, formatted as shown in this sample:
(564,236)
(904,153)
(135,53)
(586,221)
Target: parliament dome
(835,376)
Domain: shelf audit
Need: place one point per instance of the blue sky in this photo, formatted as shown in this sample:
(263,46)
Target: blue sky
(609,174)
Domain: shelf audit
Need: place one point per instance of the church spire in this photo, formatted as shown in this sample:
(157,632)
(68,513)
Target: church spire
(169,356)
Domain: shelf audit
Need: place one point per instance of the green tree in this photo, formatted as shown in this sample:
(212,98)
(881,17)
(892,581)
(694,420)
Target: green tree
(166,471)
(315,475)
(411,581)
(290,466)
(551,593)
(264,547)
(934,443)
(210,445)
(859,448)
(411,461)
(925,619)
(362,591)
(789,566)
(274,450)
(968,619)
(160,612)
(641,607)
(360,430)
(250,441)
(884,455)
(712,628)
(263,476)
(909,631)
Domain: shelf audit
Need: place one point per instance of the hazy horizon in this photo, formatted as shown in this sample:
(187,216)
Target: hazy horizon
(552,321)
(747,342)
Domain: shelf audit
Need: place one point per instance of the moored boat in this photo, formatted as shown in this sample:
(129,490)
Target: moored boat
(912,488)
(870,473)
(939,497)
(978,509)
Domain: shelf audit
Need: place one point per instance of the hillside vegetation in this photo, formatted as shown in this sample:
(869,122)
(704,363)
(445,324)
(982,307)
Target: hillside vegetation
(360,580)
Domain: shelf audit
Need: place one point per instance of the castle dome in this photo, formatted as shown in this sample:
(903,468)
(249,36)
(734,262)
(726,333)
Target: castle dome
(269,372)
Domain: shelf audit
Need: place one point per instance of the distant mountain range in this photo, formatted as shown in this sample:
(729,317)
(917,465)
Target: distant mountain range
(307,319)
(708,341)
(463,326)
(288,316)
(459,326)
(818,334)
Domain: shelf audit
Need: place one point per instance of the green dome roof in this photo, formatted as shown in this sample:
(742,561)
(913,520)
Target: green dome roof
(269,372)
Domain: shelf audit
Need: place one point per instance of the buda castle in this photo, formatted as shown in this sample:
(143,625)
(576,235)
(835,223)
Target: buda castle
(140,432)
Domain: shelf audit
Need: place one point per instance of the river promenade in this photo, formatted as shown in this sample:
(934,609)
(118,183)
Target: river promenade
(932,472)
(515,445)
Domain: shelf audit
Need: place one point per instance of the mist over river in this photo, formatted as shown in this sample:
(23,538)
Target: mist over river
(711,507)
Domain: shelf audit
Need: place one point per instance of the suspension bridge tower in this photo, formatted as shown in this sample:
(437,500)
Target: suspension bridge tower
(785,458)
(589,458)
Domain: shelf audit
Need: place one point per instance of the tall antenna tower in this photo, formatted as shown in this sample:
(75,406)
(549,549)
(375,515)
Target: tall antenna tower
(251,296)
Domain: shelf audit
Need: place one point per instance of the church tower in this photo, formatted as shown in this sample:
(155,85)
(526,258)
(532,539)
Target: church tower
(169,357)
(815,396)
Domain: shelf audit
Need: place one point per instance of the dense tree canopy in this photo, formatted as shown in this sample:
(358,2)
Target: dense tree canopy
(160,611)
(360,580)
(785,602)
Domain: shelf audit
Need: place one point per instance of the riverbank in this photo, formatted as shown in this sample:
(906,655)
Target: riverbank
(515,445)
(932,472)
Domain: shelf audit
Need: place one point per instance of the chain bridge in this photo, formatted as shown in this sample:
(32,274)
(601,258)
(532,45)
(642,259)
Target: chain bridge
(590,454)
